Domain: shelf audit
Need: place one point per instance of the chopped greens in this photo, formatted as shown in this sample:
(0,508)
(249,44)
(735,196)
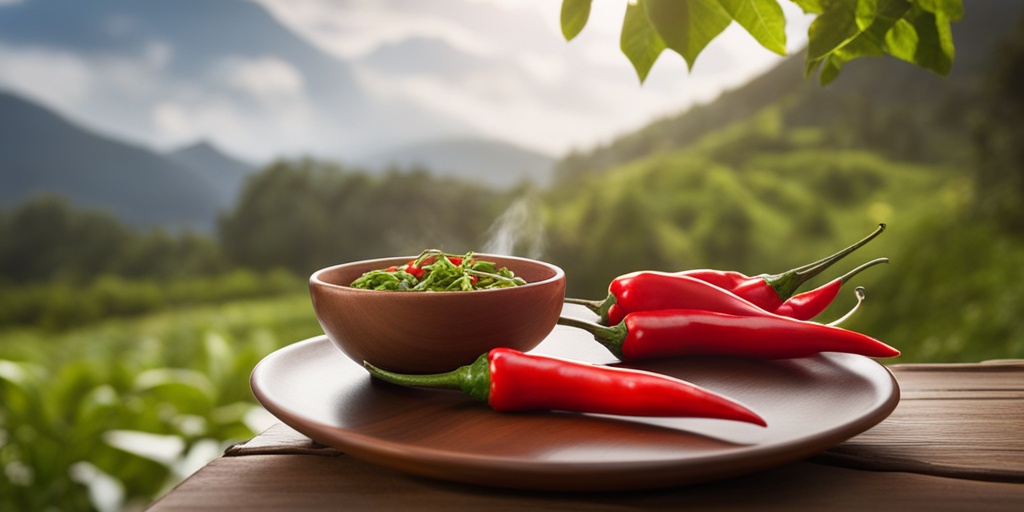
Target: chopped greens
(437,271)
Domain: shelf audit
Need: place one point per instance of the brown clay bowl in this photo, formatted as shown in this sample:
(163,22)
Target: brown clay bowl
(429,332)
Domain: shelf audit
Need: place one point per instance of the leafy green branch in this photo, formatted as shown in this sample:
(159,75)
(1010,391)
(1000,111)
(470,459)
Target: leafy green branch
(916,31)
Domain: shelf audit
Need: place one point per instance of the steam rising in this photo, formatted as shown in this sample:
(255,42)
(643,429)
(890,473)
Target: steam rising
(518,231)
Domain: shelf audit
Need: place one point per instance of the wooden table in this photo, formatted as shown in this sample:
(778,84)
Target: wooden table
(954,442)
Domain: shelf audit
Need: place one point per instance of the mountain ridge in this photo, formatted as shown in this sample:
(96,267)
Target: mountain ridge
(44,153)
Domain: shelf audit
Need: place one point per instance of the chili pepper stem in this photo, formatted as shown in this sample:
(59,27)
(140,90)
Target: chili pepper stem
(474,379)
(610,337)
(846,277)
(859,291)
(599,307)
(787,283)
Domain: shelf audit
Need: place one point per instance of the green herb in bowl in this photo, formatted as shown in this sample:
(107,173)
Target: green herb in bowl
(438,271)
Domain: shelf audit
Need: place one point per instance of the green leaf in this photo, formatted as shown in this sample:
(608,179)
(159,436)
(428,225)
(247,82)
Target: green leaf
(870,42)
(763,19)
(829,71)
(902,40)
(810,6)
(574,17)
(687,27)
(935,42)
(865,13)
(640,42)
(952,9)
(836,26)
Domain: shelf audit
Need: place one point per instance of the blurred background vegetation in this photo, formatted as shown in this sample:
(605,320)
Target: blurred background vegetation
(126,351)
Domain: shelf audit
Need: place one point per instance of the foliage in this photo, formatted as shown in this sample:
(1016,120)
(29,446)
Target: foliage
(113,414)
(305,215)
(63,304)
(999,137)
(917,32)
(755,210)
(951,294)
(46,239)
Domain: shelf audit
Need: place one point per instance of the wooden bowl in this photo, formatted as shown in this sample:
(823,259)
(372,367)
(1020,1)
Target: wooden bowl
(428,332)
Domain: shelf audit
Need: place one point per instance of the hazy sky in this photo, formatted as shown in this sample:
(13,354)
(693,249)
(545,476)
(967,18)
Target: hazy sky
(532,87)
(497,69)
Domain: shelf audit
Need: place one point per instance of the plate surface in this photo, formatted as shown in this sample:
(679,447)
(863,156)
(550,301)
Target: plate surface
(810,404)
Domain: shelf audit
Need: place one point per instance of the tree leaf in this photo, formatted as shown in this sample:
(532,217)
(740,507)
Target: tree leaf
(687,27)
(575,14)
(935,42)
(870,42)
(833,28)
(763,19)
(810,6)
(640,41)
(952,9)
(865,13)
(902,40)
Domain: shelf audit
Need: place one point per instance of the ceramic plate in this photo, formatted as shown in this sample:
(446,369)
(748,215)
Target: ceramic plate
(810,404)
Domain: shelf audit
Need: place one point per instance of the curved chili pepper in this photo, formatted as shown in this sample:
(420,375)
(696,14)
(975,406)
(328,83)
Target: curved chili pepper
(509,380)
(809,304)
(771,291)
(649,290)
(682,332)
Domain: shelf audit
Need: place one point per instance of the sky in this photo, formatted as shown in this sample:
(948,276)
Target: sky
(497,69)
(560,95)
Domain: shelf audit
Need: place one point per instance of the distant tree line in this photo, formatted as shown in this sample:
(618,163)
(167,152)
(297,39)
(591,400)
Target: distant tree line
(294,215)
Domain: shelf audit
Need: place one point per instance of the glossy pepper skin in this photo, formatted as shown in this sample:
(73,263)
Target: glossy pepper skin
(809,304)
(509,380)
(683,332)
(770,291)
(650,290)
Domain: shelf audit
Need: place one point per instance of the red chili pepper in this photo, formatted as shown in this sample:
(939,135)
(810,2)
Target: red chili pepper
(809,304)
(416,272)
(392,268)
(649,290)
(670,333)
(771,291)
(455,260)
(509,380)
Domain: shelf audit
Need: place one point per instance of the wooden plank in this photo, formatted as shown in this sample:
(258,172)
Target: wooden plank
(960,421)
(306,482)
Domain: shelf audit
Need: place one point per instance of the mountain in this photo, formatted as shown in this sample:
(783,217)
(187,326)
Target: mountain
(488,162)
(43,153)
(225,174)
(226,70)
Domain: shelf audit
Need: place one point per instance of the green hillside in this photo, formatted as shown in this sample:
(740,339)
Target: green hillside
(783,198)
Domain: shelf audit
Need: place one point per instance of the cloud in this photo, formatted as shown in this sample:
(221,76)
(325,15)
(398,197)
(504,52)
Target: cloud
(533,87)
(266,78)
(58,78)
(138,99)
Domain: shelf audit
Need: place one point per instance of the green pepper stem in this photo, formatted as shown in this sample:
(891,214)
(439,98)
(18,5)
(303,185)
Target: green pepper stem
(599,307)
(846,277)
(787,283)
(859,291)
(610,337)
(474,379)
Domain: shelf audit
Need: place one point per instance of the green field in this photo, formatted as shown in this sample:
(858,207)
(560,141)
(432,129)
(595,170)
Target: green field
(119,410)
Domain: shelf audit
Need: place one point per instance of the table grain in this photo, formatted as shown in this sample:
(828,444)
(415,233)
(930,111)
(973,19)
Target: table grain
(954,442)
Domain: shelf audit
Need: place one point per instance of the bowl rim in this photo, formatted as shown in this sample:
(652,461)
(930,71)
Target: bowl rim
(316,279)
